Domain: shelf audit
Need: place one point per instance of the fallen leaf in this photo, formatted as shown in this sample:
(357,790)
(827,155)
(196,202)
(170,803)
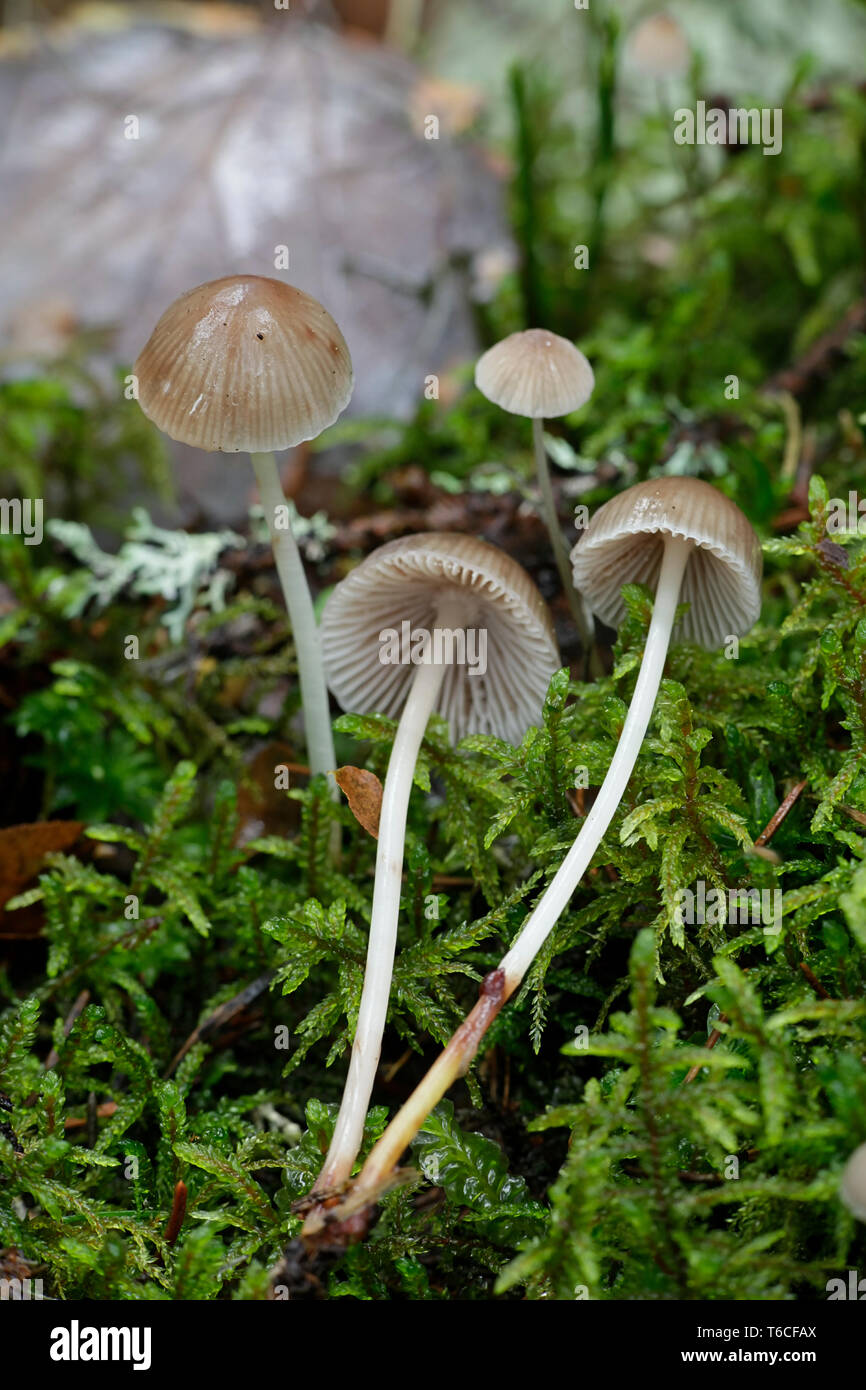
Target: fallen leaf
(364,794)
(22,850)
(13,1265)
(263,807)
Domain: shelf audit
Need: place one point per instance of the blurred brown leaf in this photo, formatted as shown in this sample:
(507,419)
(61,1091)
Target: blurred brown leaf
(456,104)
(263,808)
(22,850)
(364,794)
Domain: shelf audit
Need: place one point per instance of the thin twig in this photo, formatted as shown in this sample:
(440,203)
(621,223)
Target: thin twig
(710,1043)
(75,1012)
(129,939)
(814,981)
(103,1112)
(391,1072)
(222,1015)
(793,436)
(779,815)
(819,358)
(178,1212)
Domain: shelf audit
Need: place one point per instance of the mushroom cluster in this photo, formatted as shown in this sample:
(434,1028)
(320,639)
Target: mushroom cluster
(442,623)
(690,542)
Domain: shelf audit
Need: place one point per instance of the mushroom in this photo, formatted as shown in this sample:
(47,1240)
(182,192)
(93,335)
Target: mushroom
(852,1188)
(537,374)
(249,364)
(431,622)
(658,47)
(691,542)
(688,542)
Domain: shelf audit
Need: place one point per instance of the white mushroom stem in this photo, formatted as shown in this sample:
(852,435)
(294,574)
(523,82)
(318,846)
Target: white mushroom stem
(382,941)
(502,982)
(305,633)
(556,898)
(560,551)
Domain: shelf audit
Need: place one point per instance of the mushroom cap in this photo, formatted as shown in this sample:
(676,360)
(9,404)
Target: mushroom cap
(244,364)
(658,46)
(623,544)
(481,588)
(535,373)
(852,1188)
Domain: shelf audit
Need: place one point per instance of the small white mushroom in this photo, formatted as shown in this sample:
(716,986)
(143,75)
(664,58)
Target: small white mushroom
(539,375)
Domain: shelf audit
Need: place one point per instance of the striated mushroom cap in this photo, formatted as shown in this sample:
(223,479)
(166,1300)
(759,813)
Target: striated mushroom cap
(535,373)
(472,585)
(623,545)
(244,364)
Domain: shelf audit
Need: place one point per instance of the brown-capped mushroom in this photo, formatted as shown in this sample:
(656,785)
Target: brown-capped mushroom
(250,364)
(539,375)
(392,635)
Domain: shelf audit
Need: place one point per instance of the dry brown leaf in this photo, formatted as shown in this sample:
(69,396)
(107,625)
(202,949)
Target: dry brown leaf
(264,808)
(22,850)
(364,794)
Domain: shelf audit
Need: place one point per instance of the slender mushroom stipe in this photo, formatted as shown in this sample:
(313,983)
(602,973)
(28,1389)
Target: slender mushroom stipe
(852,1188)
(695,544)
